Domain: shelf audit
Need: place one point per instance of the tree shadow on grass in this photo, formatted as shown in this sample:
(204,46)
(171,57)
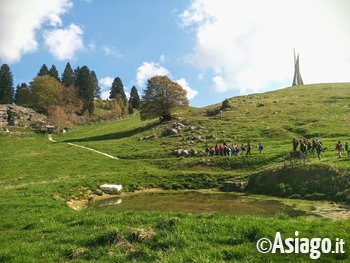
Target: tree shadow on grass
(116,135)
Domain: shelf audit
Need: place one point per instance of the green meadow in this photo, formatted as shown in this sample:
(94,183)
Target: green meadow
(38,177)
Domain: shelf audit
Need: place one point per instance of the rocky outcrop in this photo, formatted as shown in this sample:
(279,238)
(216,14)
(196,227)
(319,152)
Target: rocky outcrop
(13,115)
(185,153)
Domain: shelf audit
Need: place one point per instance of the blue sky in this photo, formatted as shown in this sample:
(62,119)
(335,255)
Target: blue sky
(214,49)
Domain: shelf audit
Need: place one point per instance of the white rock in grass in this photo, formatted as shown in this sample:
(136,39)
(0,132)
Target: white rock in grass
(111,188)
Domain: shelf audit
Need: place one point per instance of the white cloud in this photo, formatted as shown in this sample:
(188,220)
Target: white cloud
(64,43)
(148,70)
(248,45)
(112,51)
(105,84)
(20,20)
(105,95)
(191,93)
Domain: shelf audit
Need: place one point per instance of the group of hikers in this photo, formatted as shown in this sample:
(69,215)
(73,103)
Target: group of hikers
(341,148)
(305,146)
(231,150)
(308,147)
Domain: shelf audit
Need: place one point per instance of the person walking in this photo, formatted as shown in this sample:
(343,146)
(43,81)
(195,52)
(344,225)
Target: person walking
(242,149)
(339,148)
(260,147)
(295,144)
(319,149)
(249,147)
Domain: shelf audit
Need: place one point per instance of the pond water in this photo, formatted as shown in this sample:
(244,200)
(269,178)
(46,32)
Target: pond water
(196,202)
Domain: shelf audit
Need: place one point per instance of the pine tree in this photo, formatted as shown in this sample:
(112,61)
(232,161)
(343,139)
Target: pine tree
(134,100)
(68,76)
(76,73)
(6,85)
(23,95)
(43,71)
(97,89)
(130,109)
(54,73)
(85,85)
(117,91)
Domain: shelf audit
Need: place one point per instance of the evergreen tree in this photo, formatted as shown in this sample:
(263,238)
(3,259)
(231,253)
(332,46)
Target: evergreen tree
(76,73)
(68,76)
(43,71)
(130,109)
(97,89)
(117,91)
(134,99)
(54,73)
(23,95)
(6,85)
(85,85)
(162,96)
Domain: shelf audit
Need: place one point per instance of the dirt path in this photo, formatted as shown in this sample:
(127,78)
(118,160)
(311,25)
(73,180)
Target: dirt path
(90,149)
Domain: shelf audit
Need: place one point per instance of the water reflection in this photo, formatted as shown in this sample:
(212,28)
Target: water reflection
(111,202)
(196,202)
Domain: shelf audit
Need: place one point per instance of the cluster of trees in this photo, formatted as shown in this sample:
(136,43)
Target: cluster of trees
(47,89)
(65,99)
(77,92)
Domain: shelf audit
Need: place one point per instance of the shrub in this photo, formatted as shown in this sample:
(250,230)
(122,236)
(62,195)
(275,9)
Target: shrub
(295,196)
(225,104)
(315,196)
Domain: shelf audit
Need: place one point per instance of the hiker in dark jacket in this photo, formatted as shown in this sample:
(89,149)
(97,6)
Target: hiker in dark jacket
(248,148)
(295,144)
(319,149)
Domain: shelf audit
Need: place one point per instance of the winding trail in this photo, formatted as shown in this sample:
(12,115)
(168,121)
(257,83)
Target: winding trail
(90,149)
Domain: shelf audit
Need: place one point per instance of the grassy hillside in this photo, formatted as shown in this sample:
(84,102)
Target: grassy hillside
(38,177)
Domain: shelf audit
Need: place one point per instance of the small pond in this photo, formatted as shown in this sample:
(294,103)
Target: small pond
(196,202)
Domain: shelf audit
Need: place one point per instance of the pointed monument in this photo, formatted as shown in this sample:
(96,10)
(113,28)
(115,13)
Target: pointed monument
(297,80)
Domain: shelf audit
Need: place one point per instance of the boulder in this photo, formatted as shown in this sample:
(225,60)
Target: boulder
(236,186)
(170,131)
(111,188)
(178,125)
(184,152)
(195,138)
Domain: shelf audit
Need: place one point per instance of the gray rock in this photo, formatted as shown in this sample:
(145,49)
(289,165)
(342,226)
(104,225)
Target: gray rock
(170,131)
(111,188)
(184,152)
(13,115)
(237,186)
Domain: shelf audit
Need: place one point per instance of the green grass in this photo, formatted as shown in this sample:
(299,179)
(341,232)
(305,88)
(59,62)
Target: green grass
(38,177)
